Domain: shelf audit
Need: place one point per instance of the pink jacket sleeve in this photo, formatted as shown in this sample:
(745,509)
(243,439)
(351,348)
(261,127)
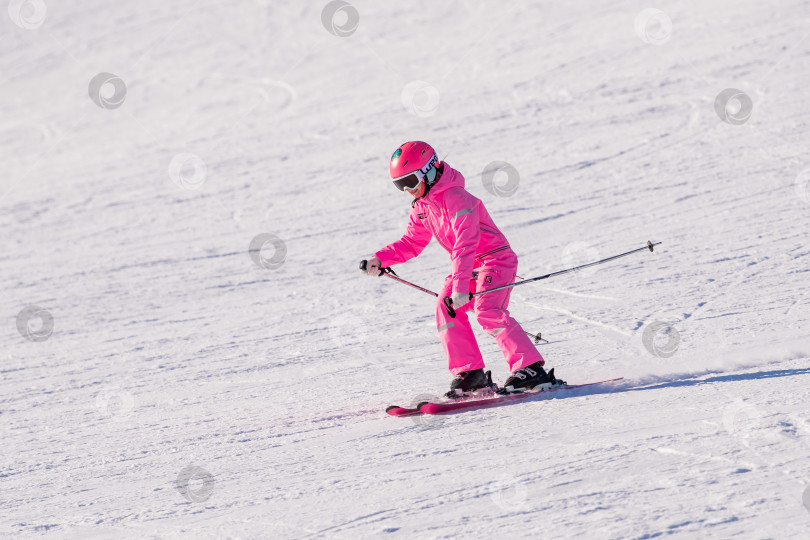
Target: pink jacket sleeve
(462,209)
(416,237)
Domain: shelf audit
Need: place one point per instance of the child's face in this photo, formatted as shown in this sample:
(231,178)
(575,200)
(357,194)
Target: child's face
(418,191)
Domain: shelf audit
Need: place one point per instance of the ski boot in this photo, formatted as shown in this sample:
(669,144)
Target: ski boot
(531,377)
(469,383)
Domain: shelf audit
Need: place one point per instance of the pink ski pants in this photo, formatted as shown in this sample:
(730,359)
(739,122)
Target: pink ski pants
(456,334)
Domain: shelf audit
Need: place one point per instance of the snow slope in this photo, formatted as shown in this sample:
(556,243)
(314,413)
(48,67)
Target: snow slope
(186,391)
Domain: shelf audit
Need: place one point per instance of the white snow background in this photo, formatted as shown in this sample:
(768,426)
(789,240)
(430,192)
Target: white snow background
(156,381)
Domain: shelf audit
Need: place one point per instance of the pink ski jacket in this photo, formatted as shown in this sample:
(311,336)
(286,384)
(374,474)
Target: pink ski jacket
(458,221)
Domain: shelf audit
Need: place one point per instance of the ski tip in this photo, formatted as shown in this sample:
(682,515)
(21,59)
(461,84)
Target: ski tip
(401,411)
(430,408)
(395,410)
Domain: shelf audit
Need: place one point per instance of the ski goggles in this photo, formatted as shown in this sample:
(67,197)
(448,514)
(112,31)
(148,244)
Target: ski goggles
(412,179)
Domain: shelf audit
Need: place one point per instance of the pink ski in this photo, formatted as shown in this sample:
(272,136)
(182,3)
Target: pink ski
(395,410)
(450,406)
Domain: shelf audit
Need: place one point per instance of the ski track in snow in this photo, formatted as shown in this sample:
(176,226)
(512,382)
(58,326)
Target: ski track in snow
(172,349)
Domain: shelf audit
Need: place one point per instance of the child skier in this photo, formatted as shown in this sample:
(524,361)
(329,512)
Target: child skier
(481,259)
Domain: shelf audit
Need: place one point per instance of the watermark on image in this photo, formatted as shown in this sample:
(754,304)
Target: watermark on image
(268,251)
(349,330)
(188,171)
(661,339)
(765,433)
(427,421)
(195,484)
(733,106)
(739,419)
(802,184)
(747,423)
(27,14)
(340,18)
(509,493)
(420,98)
(115,403)
(28,327)
(348,323)
(653,26)
(580,253)
(505,188)
(304,346)
(108,91)
(752,428)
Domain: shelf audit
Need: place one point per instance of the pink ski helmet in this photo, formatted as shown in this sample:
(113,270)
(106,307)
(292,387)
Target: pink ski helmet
(412,163)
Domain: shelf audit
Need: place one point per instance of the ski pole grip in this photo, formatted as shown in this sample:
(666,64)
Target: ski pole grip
(364,268)
(448,303)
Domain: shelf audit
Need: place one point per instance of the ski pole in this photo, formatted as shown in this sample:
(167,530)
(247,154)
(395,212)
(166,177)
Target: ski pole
(391,274)
(388,272)
(449,304)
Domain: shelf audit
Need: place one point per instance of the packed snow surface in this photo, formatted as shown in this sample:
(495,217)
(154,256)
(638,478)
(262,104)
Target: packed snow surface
(190,350)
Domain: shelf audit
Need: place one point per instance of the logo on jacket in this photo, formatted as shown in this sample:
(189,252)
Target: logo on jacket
(423,215)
